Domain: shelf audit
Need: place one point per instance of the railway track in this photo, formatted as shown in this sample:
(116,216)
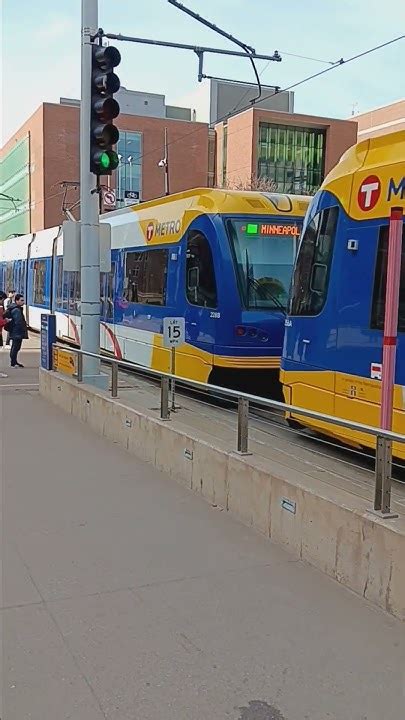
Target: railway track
(269,426)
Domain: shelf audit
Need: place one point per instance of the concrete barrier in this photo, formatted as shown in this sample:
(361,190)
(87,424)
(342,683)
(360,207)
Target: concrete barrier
(329,528)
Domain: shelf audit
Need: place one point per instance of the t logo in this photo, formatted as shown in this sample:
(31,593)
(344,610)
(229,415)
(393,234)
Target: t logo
(149,231)
(369,192)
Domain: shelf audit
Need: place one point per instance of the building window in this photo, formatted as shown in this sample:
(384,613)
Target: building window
(145,277)
(129,171)
(312,270)
(293,157)
(380,284)
(200,276)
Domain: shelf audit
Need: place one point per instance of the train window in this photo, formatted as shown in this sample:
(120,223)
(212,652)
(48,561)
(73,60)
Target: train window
(59,282)
(107,288)
(10,277)
(110,292)
(38,282)
(146,277)
(17,271)
(200,275)
(75,292)
(380,284)
(312,269)
(23,276)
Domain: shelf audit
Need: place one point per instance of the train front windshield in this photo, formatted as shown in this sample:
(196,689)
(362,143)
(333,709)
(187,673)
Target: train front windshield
(264,253)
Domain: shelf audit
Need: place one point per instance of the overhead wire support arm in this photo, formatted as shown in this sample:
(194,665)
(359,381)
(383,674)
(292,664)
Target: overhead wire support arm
(199,50)
(276,57)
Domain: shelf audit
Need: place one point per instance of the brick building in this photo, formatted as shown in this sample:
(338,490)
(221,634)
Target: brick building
(381,120)
(45,152)
(292,150)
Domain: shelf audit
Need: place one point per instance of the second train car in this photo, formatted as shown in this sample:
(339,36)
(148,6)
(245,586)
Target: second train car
(221,259)
(333,348)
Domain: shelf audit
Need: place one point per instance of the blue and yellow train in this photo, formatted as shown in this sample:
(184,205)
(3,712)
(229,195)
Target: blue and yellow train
(332,357)
(221,259)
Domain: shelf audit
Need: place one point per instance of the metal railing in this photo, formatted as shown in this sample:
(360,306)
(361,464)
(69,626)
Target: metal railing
(384,438)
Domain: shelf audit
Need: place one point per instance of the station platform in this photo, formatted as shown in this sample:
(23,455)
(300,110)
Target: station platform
(127,596)
(270,439)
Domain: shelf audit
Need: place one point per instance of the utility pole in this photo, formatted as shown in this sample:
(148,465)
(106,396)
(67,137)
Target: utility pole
(167,186)
(90,245)
(164,163)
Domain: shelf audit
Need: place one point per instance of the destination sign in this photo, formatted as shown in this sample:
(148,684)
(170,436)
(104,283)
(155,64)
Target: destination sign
(272,229)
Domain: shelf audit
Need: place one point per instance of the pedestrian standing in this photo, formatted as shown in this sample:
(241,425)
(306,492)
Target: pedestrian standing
(3,324)
(7,302)
(17,328)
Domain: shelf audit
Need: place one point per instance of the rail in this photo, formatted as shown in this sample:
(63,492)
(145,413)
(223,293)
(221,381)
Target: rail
(384,438)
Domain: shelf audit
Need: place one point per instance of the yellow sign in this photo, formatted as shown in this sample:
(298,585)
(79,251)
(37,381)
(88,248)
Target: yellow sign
(65,361)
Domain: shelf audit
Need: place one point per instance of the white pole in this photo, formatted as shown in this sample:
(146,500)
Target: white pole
(90,248)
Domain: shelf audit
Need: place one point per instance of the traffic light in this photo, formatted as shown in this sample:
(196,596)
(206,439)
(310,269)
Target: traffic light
(104,108)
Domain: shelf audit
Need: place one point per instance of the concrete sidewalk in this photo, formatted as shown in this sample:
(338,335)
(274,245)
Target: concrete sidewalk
(126,597)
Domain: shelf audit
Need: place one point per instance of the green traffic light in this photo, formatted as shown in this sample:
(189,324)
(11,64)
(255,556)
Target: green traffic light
(114,160)
(105,160)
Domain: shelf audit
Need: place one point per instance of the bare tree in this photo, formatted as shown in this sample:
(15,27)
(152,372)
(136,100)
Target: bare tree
(263,184)
(253,182)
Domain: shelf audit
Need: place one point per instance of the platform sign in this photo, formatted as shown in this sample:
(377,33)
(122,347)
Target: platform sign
(174,331)
(65,361)
(48,337)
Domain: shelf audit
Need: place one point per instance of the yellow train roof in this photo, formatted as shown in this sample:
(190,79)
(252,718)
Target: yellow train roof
(370,178)
(166,219)
(215,200)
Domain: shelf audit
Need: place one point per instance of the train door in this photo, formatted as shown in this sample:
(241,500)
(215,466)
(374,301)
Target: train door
(355,278)
(107,319)
(312,341)
(201,310)
(54,272)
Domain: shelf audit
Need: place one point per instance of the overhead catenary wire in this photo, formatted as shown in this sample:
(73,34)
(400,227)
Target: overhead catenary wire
(263,70)
(306,57)
(298,83)
(247,48)
(40,201)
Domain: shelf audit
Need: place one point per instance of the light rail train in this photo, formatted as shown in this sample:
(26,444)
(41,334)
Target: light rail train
(333,346)
(221,259)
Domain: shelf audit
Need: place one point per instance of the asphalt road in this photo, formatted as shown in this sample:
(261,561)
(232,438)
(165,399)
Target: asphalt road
(126,597)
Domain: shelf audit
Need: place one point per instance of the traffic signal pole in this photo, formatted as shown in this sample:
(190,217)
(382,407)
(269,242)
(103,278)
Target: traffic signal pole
(89,211)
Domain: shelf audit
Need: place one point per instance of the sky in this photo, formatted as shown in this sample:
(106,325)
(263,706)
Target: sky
(41,51)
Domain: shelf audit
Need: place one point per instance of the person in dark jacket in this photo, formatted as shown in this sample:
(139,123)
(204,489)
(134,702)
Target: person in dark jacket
(9,300)
(3,322)
(17,328)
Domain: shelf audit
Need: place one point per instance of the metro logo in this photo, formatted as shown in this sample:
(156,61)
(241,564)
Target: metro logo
(369,192)
(149,231)
(170,227)
(397,190)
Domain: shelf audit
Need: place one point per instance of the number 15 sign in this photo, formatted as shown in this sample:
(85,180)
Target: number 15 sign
(174,331)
